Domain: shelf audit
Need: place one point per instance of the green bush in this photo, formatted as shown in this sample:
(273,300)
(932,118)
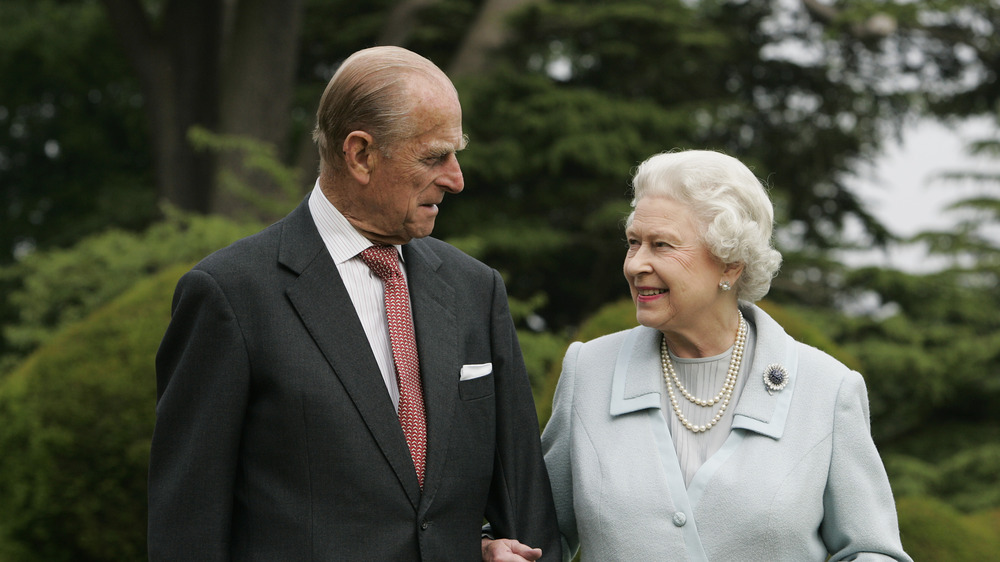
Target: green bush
(52,289)
(967,479)
(75,424)
(802,325)
(543,353)
(933,530)
(611,318)
(606,320)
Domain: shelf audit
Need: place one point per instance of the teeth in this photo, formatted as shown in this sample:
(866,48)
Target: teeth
(651,292)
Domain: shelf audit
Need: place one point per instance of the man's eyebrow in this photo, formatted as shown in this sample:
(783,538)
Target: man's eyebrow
(443,148)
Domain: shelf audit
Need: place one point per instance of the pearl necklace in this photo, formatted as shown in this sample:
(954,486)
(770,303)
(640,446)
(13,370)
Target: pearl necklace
(724,395)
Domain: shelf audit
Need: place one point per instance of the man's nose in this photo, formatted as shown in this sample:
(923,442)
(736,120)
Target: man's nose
(452,180)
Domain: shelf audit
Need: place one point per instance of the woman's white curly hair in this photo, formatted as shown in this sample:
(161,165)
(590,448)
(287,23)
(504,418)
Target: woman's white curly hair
(730,203)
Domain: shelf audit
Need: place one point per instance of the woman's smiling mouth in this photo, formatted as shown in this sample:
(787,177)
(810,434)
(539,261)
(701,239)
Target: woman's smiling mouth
(650,292)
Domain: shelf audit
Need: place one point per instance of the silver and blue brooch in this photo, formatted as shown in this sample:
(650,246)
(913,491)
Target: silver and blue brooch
(775,378)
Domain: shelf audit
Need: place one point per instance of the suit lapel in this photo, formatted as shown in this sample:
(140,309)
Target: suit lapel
(435,320)
(322,302)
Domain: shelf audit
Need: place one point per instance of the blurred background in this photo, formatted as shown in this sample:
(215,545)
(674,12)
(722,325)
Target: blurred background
(137,136)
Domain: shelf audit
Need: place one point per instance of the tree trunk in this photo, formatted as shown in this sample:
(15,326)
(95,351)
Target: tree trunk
(488,32)
(400,22)
(225,65)
(260,56)
(177,66)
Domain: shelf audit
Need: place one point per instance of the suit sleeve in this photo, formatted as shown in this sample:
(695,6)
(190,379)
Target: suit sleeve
(520,501)
(859,520)
(202,374)
(558,458)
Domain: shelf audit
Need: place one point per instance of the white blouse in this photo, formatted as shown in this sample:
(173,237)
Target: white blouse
(703,378)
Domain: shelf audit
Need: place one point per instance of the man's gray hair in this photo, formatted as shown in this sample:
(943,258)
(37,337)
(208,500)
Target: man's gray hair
(371,92)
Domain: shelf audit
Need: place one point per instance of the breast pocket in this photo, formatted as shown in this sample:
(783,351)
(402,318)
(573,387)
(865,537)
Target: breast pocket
(476,387)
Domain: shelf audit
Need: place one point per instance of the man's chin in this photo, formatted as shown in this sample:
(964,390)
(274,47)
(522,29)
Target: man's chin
(425,228)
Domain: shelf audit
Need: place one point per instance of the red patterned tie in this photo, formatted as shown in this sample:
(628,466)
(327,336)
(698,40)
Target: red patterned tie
(384,262)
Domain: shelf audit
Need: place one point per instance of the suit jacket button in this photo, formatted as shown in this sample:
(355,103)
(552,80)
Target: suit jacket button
(424,525)
(680,519)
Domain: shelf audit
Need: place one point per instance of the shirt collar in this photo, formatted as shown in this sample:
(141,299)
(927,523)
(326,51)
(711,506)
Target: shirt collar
(340,237)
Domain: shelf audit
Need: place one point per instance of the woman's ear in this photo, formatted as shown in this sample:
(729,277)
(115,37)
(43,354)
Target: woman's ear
(359,156)
(733,272)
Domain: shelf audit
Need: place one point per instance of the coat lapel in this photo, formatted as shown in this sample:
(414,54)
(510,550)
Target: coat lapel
(635,384)
(636,381)
(322,302)
(758,410)
(434,319)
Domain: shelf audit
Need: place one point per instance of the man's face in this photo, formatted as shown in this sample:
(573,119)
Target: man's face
(401,200)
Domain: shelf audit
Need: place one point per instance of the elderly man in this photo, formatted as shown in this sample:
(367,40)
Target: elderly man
(339,386)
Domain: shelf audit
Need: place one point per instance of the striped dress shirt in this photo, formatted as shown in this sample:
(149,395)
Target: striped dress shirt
(366,289)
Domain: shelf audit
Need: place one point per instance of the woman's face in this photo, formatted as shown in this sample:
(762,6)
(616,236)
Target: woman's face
(673,277)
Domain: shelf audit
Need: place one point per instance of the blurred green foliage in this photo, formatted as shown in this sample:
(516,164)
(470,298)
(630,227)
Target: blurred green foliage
(77,420)
(933,530)
(52,289)
(966,480)
(73,147)
(259,157)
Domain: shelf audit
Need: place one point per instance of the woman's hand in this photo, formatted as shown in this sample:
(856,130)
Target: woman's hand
(508,550)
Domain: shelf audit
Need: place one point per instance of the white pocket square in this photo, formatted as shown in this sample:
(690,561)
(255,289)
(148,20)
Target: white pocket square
(475,371)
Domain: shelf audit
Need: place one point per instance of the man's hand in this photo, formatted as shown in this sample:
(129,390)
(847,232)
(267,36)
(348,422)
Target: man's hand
(508,550)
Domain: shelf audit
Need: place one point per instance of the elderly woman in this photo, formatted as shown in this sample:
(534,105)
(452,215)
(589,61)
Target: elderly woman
(707,433)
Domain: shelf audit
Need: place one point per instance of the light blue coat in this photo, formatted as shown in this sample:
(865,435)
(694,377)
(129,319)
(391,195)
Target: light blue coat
(797,479)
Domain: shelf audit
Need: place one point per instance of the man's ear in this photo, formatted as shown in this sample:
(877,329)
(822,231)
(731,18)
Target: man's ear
(359,156)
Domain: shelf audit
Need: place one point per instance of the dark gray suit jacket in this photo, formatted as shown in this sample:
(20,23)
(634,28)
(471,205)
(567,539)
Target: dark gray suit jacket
(276,439)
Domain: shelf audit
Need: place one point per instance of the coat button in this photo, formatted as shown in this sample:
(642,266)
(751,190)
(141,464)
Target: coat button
(425,524)
(680,519)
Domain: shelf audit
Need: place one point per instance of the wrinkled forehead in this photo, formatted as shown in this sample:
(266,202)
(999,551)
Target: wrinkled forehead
(435,114)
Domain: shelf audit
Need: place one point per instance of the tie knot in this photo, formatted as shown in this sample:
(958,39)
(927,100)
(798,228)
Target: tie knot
(382,260)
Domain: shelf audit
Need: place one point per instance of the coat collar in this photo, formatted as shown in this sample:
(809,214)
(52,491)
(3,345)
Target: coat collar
(759,410)
(636,383)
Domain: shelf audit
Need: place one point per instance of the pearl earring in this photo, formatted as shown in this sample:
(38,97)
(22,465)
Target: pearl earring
(725,286)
